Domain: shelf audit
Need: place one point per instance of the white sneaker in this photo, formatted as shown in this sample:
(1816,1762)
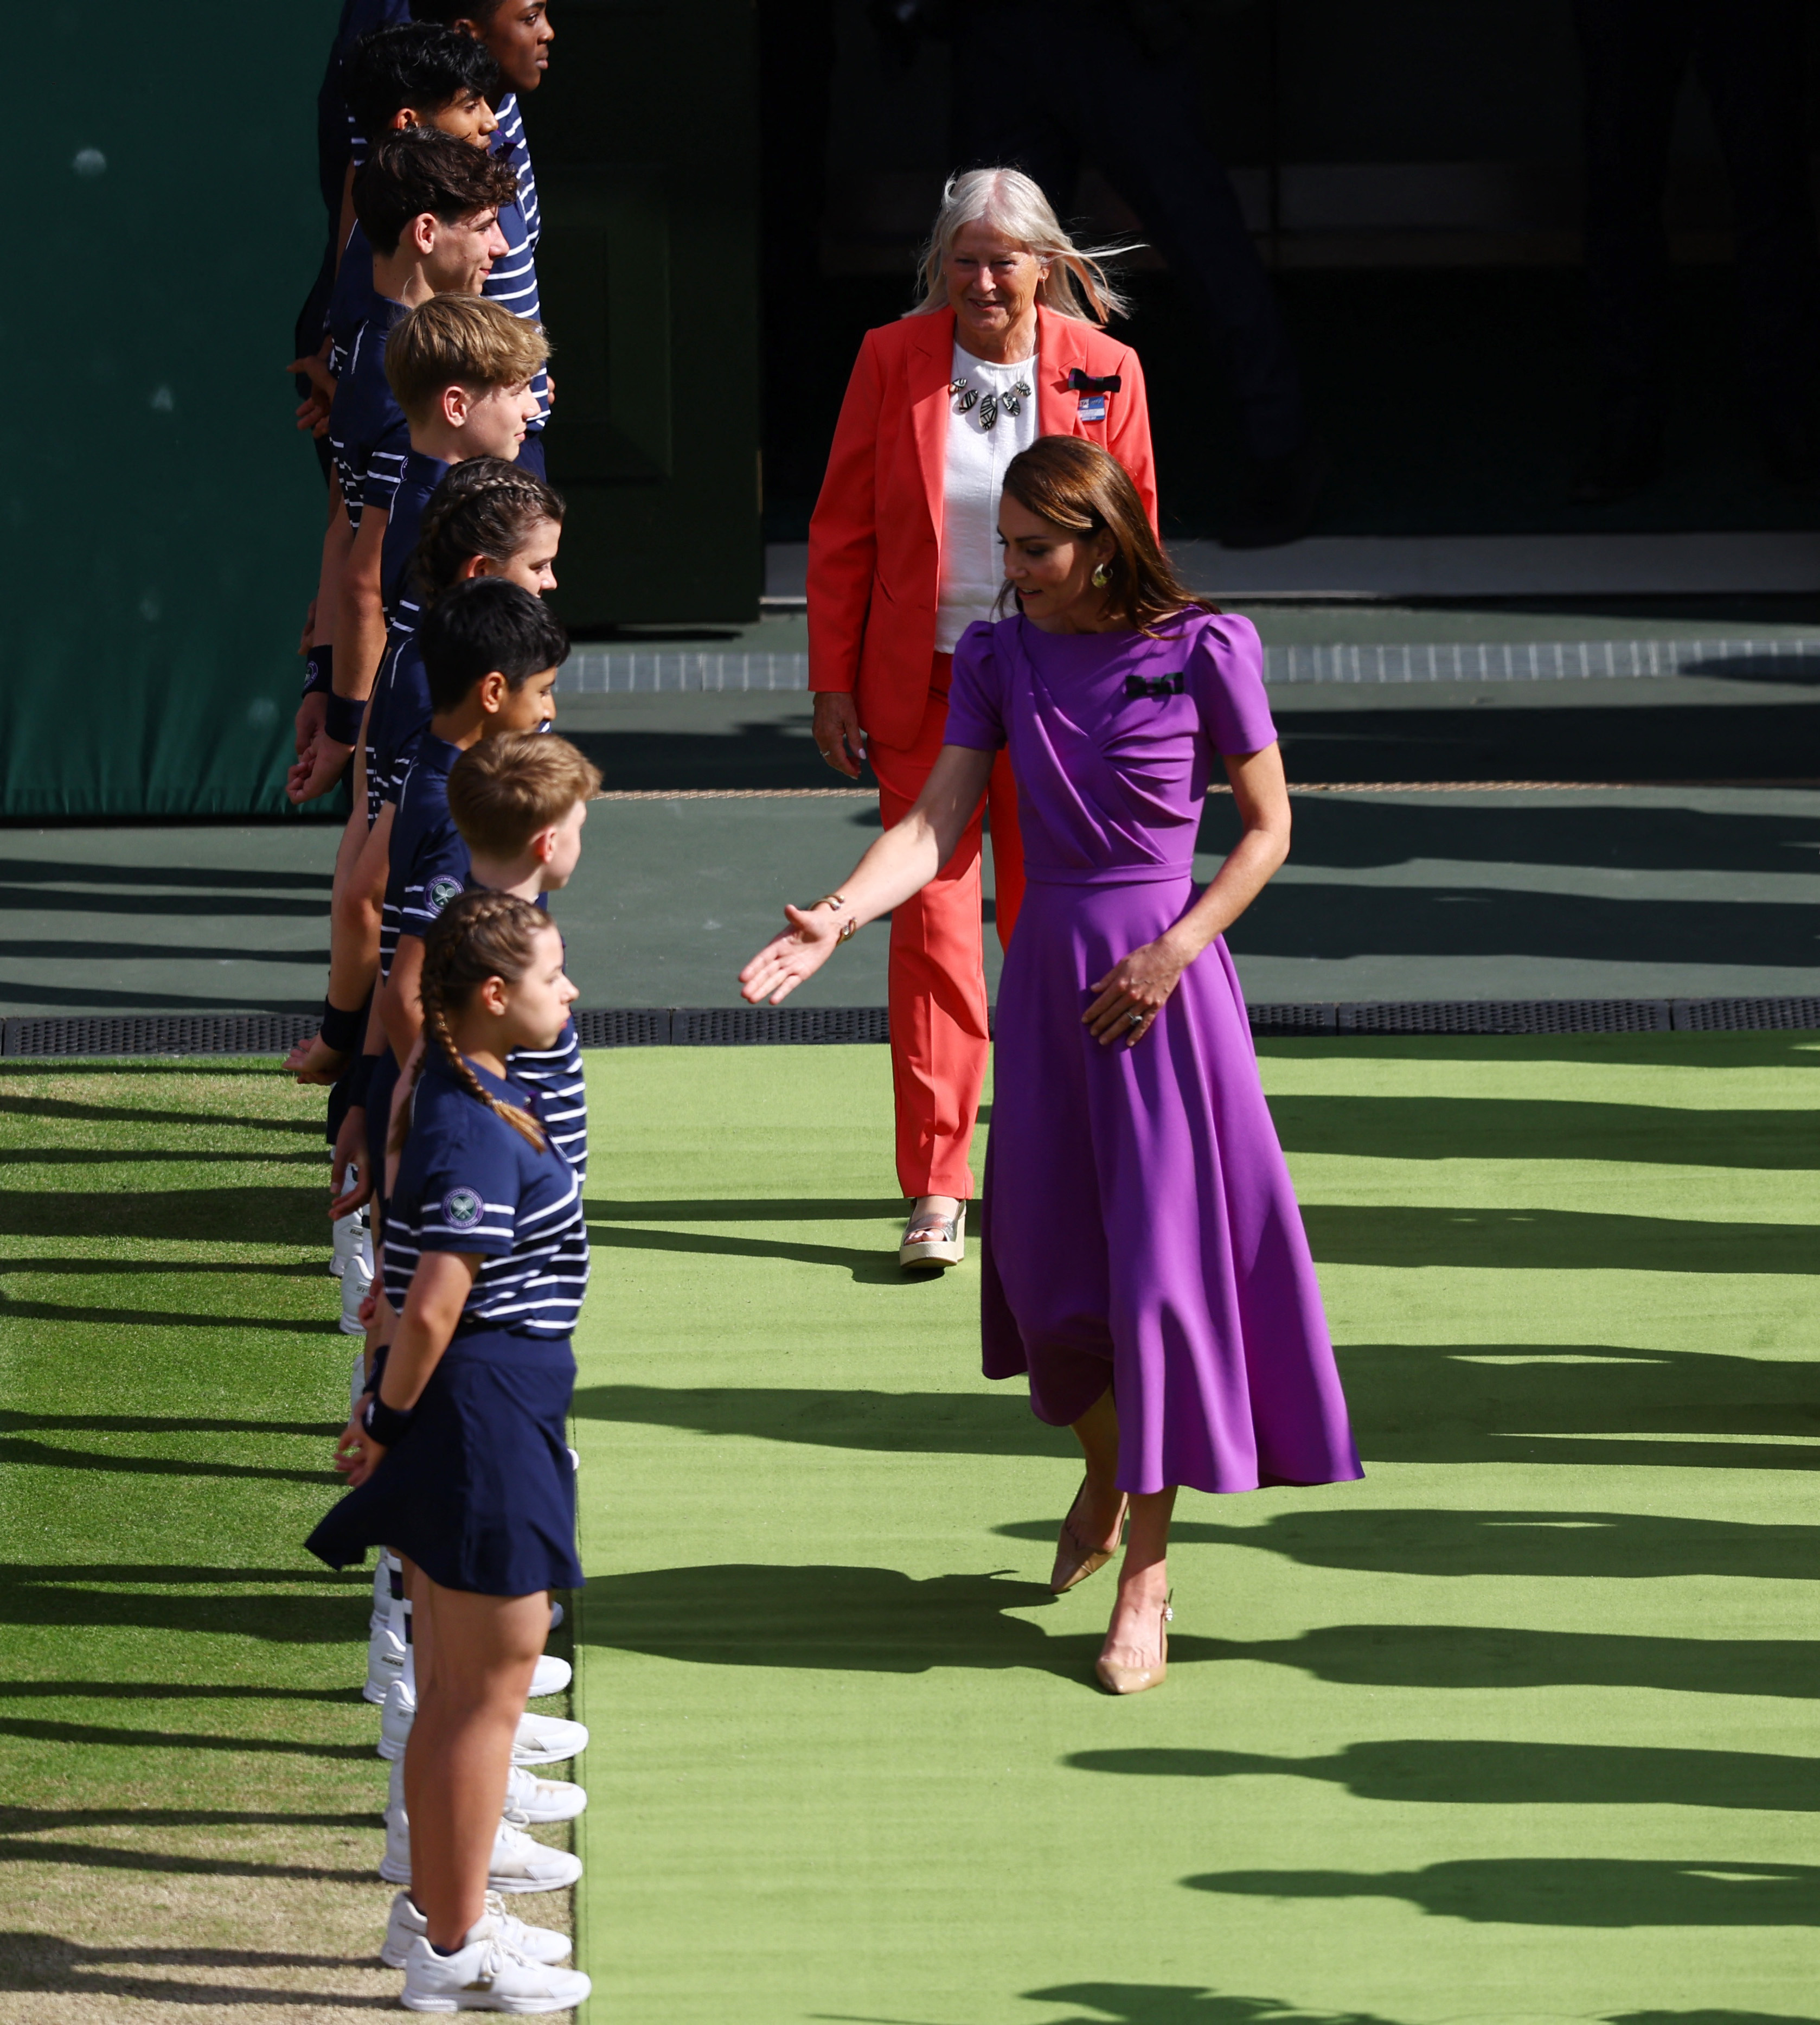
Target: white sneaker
(542,1799)
(547,1740)
(356,1284)
(519,1862)
(341,1240)
(542,1740)
(551,1678)
(487,1973)
(383,1576)
(385,1662)
(536,1944)
(575,1461)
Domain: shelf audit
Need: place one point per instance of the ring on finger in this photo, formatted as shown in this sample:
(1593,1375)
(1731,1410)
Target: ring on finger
(1136,1016)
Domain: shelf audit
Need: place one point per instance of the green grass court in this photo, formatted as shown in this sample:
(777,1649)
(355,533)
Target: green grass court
(1517,1732)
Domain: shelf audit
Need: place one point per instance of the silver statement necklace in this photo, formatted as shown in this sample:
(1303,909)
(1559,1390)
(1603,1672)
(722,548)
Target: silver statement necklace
(1011,402)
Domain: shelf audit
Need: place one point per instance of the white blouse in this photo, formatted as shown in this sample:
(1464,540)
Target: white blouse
(972,563)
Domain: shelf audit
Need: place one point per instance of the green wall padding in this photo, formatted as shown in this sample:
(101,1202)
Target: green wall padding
(162,518)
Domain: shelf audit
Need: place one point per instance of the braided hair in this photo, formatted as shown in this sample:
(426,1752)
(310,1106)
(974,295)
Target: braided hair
(484,506)
(478,936)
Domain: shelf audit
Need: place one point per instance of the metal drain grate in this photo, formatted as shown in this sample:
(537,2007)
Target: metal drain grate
(161,1034)
(628,1028)
(811,1026)
(758,1026)
(1496,1016)
(1710,1015)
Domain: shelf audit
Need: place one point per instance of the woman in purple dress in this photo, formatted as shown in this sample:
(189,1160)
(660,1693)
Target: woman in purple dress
(1145,1260)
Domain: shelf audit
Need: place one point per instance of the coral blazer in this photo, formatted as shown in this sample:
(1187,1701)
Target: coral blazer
(875,543)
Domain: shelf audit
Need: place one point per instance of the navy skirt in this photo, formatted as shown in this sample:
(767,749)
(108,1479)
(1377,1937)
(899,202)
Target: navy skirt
(480,1493)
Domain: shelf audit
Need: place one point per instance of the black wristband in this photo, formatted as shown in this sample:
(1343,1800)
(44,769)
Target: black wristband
(343,719)
(387,1424)
(342,1031)
(319,670)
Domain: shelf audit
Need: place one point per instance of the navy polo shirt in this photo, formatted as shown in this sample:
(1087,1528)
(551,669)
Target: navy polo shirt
(470,1182)
(426,861)
(417,482)
(367,429)
(348,300)
(398,717)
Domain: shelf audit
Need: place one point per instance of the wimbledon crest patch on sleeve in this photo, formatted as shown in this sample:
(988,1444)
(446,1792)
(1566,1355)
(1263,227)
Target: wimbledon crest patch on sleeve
(461,1209)
(442,891)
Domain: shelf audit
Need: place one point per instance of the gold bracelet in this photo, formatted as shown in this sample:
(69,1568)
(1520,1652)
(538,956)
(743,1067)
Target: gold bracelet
(837,901)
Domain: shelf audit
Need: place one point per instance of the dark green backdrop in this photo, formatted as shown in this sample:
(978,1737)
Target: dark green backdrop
(160,512)
(162,518)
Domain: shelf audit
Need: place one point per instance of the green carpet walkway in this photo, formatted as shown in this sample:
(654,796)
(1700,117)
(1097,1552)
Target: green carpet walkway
(1519,1730)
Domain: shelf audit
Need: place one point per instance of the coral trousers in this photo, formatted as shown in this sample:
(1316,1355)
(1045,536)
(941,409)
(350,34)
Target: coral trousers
(937,991)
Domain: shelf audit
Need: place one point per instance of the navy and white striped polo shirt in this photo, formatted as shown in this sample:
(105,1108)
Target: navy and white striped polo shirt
(426,861)
(367,429)
(513,279)
(468,1183)
(396,721)
(556,1077)
(417,482)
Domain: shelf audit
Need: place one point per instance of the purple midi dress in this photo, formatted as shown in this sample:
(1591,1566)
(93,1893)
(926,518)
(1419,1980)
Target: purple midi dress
(1139,1225)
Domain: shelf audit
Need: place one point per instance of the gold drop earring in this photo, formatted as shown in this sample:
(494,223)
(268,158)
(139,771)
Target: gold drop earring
(1100,577)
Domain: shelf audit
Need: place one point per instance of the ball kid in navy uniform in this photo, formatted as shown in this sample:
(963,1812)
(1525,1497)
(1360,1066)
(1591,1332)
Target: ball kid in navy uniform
(417,75)
(487,519)
(490,652)
(461,368)
(459,1457)
(519,803)
(517,34)
(430,205)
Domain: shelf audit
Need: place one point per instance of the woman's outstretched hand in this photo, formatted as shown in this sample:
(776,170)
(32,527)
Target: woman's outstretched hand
(800,952)
(1139,985)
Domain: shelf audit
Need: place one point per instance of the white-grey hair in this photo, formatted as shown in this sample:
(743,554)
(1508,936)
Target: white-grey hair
(1077,285)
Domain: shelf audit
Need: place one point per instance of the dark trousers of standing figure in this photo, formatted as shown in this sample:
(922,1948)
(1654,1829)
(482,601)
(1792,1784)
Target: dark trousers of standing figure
(1039,83)
(1748,56)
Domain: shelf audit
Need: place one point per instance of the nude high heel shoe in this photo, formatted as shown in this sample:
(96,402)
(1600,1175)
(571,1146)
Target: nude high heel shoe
(1117,1680)
(1075,1563)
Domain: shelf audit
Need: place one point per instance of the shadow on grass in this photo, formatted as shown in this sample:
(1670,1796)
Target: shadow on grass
(48,1964)
(1599,1544)
(222,1216)
(1557,1240)
(847,1619)
(43,1820)
(1185,2004)
(893,1422)
(164,1691)
(1472,1772)
(133,1156)
(869,1264)
(331,1612)
(46,1455)
(1471,1655)
(1497,1402)
(146,1424)
(107,1315)
(1442,1128)
(1569,1891)
(101,1737)
(88,1856)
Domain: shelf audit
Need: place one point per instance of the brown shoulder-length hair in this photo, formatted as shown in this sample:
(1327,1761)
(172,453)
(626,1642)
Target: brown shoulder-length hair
(1074,485)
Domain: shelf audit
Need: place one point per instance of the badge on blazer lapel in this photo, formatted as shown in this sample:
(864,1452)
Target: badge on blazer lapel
(1092,407)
